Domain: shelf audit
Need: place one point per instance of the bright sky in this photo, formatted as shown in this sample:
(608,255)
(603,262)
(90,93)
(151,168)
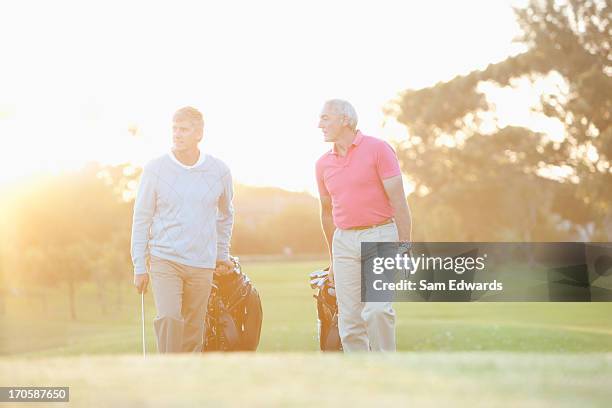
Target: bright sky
(76,75)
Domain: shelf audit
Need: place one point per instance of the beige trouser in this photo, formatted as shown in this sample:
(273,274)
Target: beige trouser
(362,326)
(181,297)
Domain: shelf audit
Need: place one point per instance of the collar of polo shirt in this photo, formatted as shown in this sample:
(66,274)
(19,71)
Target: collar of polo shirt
(356,141)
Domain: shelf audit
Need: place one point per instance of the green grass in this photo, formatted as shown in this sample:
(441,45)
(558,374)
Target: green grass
(456,354)
(31,328)
(482,379)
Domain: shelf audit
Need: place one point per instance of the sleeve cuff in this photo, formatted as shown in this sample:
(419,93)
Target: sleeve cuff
(222,255)
(390,174)
(140,271)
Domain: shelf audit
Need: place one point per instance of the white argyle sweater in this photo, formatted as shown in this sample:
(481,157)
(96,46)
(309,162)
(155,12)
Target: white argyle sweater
(183,214)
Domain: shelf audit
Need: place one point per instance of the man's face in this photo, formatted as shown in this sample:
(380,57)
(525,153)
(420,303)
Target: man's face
(331,124)
(185,135)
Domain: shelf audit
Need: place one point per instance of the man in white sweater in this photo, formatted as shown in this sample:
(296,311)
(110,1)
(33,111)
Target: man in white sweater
(181,230)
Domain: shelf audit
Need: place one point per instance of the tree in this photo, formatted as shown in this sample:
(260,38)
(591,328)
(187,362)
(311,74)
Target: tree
(66,225)
(112,264)
(74,262)
(493,184)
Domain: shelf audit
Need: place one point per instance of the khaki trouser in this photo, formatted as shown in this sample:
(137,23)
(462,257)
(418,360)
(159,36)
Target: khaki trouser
(362,326)
(181,297)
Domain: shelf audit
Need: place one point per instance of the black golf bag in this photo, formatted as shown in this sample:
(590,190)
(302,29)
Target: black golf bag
(234,317)
(327,311)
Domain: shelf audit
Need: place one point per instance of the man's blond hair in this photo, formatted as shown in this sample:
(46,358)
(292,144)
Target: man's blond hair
(190,114)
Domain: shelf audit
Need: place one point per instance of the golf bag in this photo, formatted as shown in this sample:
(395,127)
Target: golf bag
(234,317)
(327,311)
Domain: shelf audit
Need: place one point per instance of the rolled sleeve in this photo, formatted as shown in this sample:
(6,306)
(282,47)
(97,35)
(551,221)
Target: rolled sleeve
(387,164)
(320,179)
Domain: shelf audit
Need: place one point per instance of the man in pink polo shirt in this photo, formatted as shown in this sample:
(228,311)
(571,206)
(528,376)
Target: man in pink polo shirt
(362,200)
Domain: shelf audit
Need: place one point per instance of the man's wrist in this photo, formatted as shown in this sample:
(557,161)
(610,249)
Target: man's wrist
(404,247)
(223,254)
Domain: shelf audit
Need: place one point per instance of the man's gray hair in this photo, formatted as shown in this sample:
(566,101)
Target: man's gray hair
(344,108)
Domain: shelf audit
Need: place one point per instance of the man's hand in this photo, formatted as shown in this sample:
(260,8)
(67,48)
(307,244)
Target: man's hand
(330,275)
(224,266)
(141,282)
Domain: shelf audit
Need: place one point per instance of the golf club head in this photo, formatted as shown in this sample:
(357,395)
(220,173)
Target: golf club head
(319,283)
(236,261)
(317,278)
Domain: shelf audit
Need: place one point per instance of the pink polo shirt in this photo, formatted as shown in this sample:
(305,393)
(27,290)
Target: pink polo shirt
(354,181)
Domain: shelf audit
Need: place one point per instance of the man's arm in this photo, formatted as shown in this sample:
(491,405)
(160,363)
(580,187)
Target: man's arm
(395,191)
(327,223)
(327,220)
(144,208)
(225,220)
